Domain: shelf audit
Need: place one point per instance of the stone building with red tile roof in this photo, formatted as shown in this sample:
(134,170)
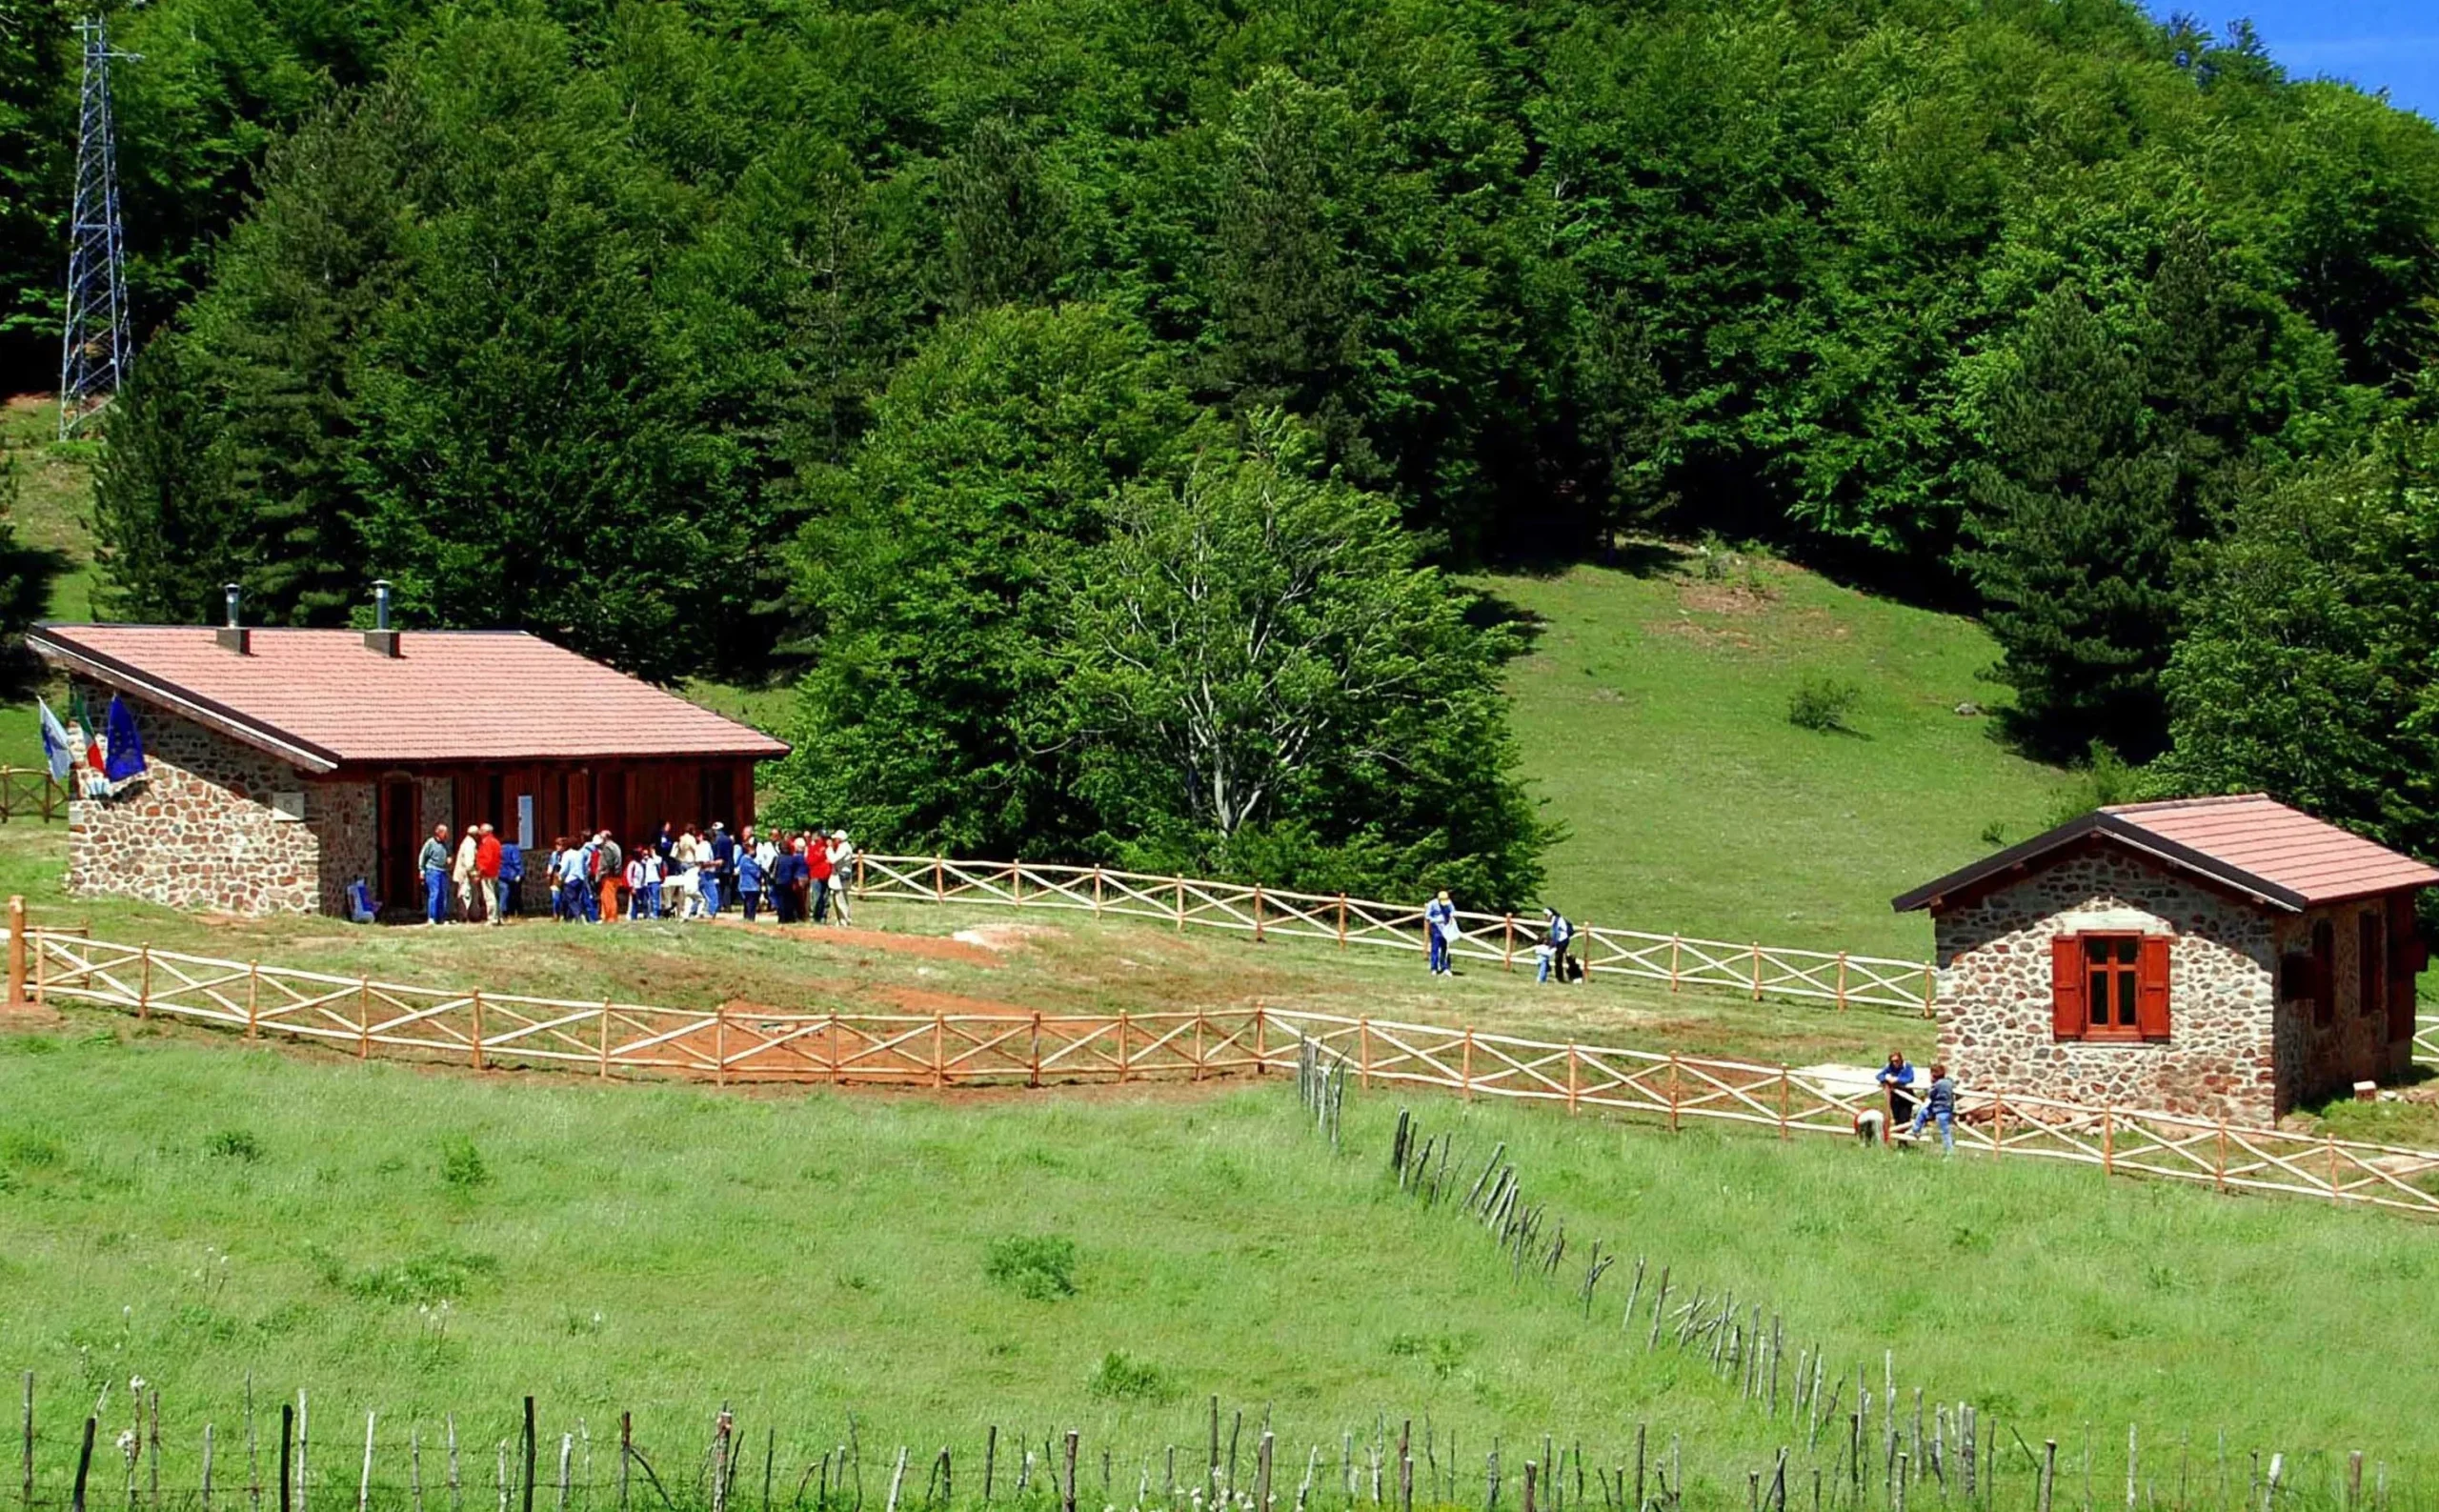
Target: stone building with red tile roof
(2225,957)
(285,763)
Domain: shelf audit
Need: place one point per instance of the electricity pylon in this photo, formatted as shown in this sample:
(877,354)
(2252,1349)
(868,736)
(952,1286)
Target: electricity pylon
(94,351)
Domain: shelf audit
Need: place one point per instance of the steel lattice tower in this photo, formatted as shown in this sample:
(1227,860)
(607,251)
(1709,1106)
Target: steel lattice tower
(93,354)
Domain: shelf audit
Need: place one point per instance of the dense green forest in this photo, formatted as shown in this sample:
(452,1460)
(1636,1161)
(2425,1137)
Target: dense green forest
(1090,393)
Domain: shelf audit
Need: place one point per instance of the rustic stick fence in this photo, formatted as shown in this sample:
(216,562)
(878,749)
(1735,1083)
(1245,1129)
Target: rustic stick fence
(1508,940)
(491,1030)
(31,793)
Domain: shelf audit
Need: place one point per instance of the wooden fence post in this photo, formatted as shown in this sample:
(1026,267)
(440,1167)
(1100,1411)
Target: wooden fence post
(1097,889)
(2219,1171)
(939,880)
(1262,1039)
(1570,1077)
(144,986)
(1508,952)
(1931,990)
(1122,1047)
(2334,1194)
(1181,884)
(2107,1142)
(1676,943)
(1257,913)
(939,1050)
(1341,921)
(363,1018)
(1672,1091)
(1017,883)
(1201,1016)
(16,949)
(1782,1103)
(838,1055)
(1757,971)
(478,1028)
(605,1031)
(1033,1078)
(1468,1068)
(719,1046)
(253,985)
(1999,1124)
(1842,982)
(1364,1048)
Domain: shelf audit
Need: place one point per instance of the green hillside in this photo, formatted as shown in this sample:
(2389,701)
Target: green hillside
(1653,715)
(805,1258)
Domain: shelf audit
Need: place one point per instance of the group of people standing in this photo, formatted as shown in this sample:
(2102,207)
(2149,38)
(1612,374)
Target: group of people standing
(1552,962)
(683,873)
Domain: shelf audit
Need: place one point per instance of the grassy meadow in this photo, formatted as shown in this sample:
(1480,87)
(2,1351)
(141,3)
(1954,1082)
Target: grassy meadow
(193,1213)
(1652,708)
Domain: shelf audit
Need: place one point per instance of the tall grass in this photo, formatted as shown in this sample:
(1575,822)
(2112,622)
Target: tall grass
(192,1213)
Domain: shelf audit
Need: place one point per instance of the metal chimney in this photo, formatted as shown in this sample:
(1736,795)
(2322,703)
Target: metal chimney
(233,635)
(381,639)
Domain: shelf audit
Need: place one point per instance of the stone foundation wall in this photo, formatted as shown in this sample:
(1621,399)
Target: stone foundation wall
(1994,992)
(345,817)
(198,832)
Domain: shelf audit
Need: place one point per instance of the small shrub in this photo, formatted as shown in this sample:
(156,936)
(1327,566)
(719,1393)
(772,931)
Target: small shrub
(1994,835)
(234,1145)
(1039,1267)
(435,1276)
(30,1151)
(1442,1352)
(462,1167)
(1120,1377)
(1821,703)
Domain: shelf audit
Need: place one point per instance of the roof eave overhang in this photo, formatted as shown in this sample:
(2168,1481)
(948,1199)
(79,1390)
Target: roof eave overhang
(378,762)
(209,713)
(2120,830)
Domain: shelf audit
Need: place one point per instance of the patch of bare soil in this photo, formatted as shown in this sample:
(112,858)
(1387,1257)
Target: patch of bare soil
(915,999)
(928,947)
(1004,937)
(1700,633)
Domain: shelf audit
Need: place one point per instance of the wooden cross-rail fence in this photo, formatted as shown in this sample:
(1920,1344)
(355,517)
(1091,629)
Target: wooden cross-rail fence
(1249,908)
(31,793)
(490,1030)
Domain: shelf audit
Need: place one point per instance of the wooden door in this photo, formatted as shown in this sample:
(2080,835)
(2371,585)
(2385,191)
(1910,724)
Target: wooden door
(401,836)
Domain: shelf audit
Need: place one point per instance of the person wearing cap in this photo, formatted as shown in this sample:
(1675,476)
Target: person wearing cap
(842,873)
(717,855)
(1440,923)
(433,860)
(462,872)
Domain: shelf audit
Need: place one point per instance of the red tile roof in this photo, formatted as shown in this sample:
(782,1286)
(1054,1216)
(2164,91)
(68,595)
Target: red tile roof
(2286,847)
(2252,843)
(321,697)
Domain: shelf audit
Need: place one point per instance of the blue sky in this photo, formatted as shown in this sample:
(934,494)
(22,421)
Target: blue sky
(2390,45)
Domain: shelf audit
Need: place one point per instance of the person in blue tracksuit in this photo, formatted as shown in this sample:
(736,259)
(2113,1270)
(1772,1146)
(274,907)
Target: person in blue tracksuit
(1939,1103)
(434,862)
(749,878)
(1440,923)
(512,878)
(1897,1080)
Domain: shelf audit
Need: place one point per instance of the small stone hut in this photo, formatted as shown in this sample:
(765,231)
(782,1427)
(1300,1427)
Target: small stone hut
(2226,958)
(285,763)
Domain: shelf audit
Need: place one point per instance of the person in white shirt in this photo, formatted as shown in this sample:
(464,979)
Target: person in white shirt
(842,873)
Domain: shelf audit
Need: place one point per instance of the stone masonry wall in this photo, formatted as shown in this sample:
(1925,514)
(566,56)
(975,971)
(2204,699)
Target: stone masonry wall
(1994,992)
(198,831)
(346,819)
(2316,1060)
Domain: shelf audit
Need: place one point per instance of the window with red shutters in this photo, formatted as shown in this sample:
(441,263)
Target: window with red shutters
(2110,986)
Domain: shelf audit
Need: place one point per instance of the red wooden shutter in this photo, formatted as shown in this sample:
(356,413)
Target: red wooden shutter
(2151,987)
(2067,1019)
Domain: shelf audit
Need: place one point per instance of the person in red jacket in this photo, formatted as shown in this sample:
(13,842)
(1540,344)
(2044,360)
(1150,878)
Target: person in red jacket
(487,870)
(816,860)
